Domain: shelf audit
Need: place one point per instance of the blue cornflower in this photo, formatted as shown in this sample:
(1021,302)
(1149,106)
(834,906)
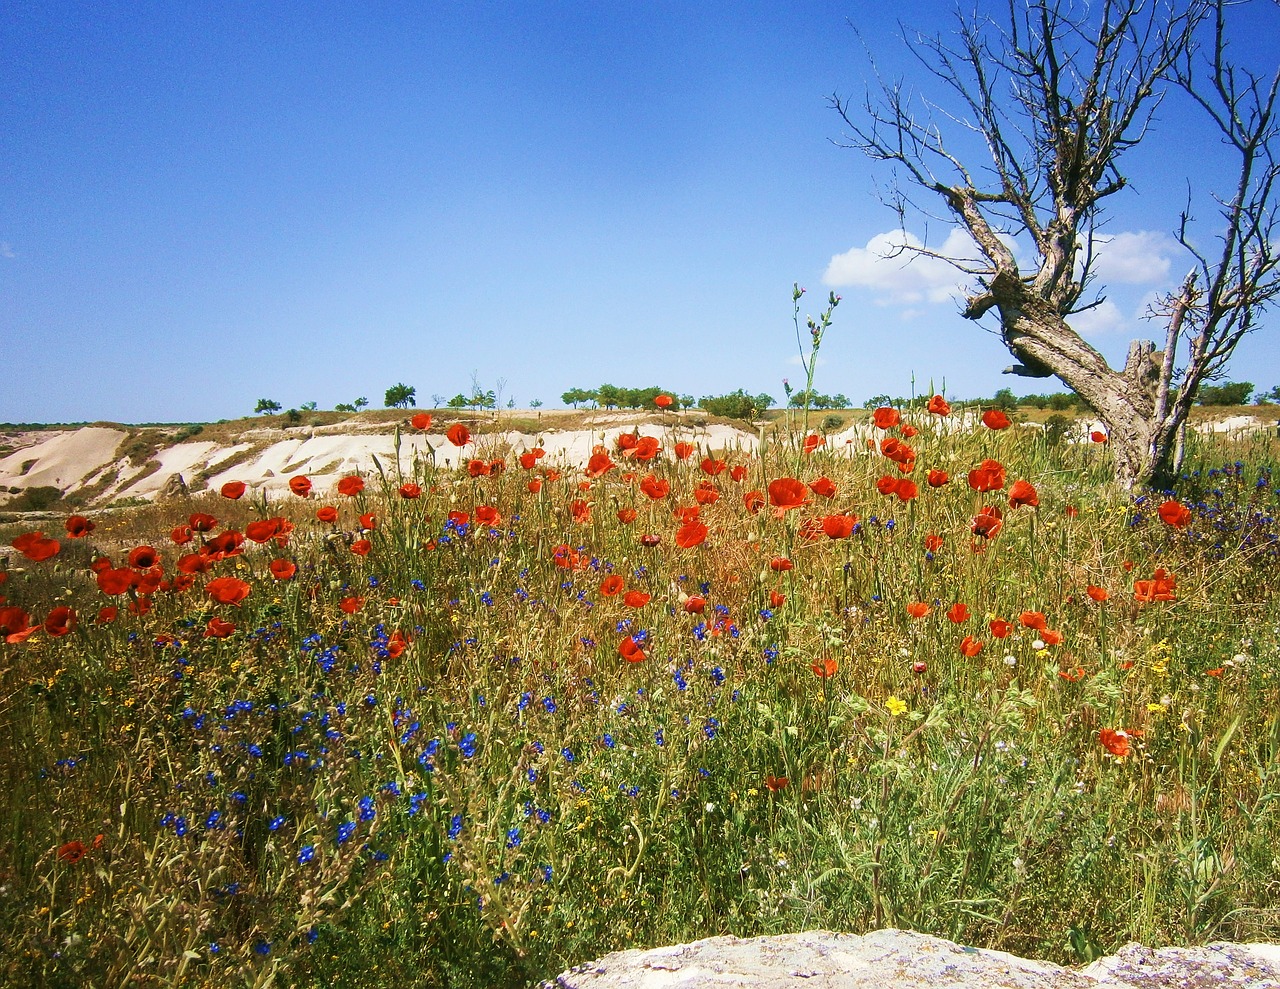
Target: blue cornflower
(366,809)
(608,741)
(345,831)
(567,753)
(467,745)
(549,705)
(262,947)
(513,838)
(306,854)
(275,823)
(455,826)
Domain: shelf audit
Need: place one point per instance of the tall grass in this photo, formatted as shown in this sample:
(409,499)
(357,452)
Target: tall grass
(431,762)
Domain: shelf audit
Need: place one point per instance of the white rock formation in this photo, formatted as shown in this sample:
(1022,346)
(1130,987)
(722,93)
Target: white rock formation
(892,959)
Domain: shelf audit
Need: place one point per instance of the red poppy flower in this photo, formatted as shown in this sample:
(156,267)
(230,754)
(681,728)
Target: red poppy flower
(885,417)
(635,599)
(487,515)
(396,645)
(421,420)
(568,558)
(409,490)
(1158,588)
(780,564)
(226,543)
(959,612)
(839,526)
(906,489)
(1050,637)
(60,621)
(478,468)
(458,518)
(631,651)
(181,535)
(458,434)
(580,510)
(227,590)
(887,485)
(351,605)
(1116,741)
(655,487)
(712,466)
(202,522)
(987,476)
(1033,619)
(107,615)
(694,604)
(999,628)
(1098,594)
(191,563)
(662,401)
(497,465)
(143,558)
(754,501)
(327,514)
(627,515)
(626,441)
(262,530)
(777,599)
(15,624)
(824,668)
(368,521)
(917,609)
(72,852)
(692,533)
(78,526)
(361,547)
(786,493)
(233,490)
(113,582)
(683,450)
(938,406)
(987,522)
(1023,493)
(646,448)
(823,486)
(932,542)
(1175,514)
(738,472)
(300,485)
(995,419)
(1098,437)
(218,628)
(599,464)
(612,585)
(650,540)
(775,783)
(36,546)
(351,485)
(813,441)
(282,569)
(970,647)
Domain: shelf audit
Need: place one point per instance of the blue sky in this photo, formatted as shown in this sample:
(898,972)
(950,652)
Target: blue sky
(205,204)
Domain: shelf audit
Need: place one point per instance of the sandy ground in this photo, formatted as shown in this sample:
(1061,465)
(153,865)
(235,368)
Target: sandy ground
(266,458)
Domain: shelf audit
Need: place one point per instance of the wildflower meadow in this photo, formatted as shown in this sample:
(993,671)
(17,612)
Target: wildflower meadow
(472,717)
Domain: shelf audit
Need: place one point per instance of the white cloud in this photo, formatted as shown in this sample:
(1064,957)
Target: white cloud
(1138,257)
(1101,319)
(6,250)
(896,274)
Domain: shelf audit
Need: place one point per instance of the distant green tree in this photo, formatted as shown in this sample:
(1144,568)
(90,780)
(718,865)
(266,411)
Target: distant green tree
(344,407)
(400,396)
(1269,397)
(575,395)
(877,402)
(360,403)
(459,401)
(267,405)
(1227,393)
(736,405)
(535,403)
(1060,401)
(309,406)
(608,396)
(1005,400)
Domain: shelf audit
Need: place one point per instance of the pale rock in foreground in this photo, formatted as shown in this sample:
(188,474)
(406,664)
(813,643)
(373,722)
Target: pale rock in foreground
(892,959)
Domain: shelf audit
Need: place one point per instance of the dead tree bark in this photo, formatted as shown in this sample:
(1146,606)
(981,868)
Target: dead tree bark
(1058,93)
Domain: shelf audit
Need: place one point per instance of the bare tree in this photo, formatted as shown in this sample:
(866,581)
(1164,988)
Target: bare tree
(1046,102)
